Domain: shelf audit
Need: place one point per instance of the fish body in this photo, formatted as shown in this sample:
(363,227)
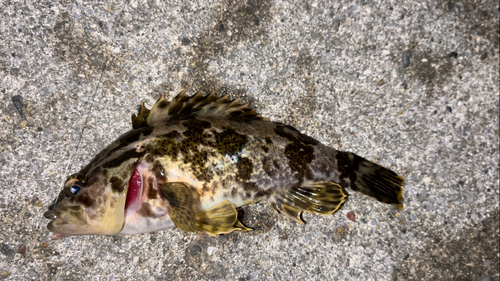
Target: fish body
(191,162)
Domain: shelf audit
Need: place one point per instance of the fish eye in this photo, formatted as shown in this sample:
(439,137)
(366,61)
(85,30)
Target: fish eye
(73,191)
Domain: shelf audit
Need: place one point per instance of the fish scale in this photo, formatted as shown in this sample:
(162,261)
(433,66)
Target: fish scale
(189,163)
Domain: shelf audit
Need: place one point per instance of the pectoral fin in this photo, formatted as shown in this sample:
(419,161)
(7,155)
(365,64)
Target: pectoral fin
(180,199)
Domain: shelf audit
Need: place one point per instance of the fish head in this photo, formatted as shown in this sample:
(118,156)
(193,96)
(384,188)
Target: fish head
(89,203)
(115,193)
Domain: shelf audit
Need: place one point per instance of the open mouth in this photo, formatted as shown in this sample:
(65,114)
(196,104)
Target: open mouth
(135,190)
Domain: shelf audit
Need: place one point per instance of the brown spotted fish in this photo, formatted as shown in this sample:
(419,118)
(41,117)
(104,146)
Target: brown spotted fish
(191,162)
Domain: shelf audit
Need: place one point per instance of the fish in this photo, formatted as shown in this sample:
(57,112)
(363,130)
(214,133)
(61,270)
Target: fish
(191,162)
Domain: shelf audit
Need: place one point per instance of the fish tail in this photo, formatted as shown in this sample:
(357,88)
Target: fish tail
(370,179)
(325,198)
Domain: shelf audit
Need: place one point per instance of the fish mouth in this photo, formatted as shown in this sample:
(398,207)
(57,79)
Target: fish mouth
(135,190)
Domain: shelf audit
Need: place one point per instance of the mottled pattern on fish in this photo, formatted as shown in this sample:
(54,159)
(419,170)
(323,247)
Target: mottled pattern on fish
(198,158)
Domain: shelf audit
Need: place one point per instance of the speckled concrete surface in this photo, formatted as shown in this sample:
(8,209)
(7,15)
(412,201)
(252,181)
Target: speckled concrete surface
(412,85)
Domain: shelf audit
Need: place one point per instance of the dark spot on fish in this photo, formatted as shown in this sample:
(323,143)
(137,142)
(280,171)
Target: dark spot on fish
(276,165)
(205,187)
(245,168)
(291,134)
(84,199)
(299,157)
(234,192)
(196,125)
(265,148)
(267,167)
(159,171)
(134,135)
(192,150)
(229,142)
(94,176)
(250,186)
(166,145)
(146,211)
(125,156)
(268,140)
(347,167)
(265,193)
(152,193)
(116,184)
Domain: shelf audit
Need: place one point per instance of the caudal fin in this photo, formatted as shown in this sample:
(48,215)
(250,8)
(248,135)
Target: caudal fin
(371,179)
(325,198)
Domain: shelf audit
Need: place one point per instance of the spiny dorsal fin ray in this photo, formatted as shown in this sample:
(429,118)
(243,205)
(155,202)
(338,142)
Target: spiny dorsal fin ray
(185,107)
(141,119)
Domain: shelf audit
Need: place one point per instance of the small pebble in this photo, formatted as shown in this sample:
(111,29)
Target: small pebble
(380,82)
(351,216)
(21,250)
(5,273)
(211,250)
(406,59)
(18,104)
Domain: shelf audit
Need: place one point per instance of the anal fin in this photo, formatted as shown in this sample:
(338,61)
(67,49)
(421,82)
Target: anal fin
(240,227)
(313,197)
(220,219)
(289,211)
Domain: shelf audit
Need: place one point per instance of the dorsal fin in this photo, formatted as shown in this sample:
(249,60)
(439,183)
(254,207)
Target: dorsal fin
(184,107)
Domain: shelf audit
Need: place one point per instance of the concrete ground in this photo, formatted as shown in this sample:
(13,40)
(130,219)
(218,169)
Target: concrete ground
(412,85)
